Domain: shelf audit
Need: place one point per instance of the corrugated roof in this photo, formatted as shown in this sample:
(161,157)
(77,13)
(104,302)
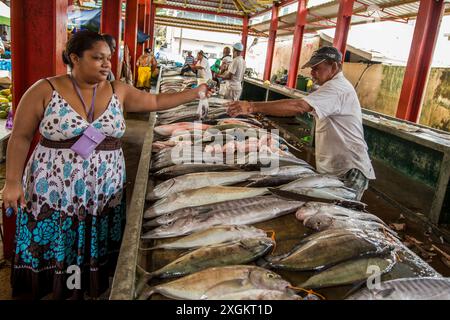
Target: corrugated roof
(364,11)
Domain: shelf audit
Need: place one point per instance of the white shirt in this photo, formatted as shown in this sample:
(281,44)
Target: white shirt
(204,73)
(340,144)
(236,69)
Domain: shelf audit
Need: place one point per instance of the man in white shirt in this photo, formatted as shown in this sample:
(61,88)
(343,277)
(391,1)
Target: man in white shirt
(235,74)
(340,146)
(202,66)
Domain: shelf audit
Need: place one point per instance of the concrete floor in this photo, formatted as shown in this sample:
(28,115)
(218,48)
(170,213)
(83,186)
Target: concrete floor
(132,145)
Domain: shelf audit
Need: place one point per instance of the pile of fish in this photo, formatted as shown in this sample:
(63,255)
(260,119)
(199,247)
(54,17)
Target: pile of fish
(208,208)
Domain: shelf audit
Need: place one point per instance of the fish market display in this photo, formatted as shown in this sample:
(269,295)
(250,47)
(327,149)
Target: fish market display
(214,178)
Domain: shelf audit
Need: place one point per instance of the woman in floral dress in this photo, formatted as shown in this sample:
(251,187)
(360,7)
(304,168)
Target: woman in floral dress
(70,210)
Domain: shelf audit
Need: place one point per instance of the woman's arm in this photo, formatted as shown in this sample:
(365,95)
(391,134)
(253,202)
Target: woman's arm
(28,115)
(135,100)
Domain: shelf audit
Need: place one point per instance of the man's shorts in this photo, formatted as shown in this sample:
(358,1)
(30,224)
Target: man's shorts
(357,181)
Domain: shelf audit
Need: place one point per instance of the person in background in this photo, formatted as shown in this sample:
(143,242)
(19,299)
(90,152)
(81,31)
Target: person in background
(202,66)
(188,61)
(146,67)
(70,207)
(112,45)
(225,62)
(5,36)
(235,74)
(340,146)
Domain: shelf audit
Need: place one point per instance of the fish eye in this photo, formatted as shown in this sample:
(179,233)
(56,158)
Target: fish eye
(270,275)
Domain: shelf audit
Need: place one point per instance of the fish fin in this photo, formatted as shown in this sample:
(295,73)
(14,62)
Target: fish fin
(263,263)
(146,292)
(142,286)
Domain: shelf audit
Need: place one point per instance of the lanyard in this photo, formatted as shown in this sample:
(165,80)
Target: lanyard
(90,112)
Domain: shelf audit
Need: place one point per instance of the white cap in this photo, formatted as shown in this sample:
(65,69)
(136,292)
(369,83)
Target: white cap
(238,46)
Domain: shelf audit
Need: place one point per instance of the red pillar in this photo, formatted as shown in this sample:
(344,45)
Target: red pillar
(151,30)
(300,23)
(131,30)
(271,44)
(147,21)
(110,23)
(141,25)
(417,70)
(244,34)
(344,19)
(38,36)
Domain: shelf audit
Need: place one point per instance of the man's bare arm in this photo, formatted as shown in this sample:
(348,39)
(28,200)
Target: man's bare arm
(279,108)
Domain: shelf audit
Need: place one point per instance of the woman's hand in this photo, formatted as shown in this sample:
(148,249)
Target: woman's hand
(13,197)
(203,89)
(236,108)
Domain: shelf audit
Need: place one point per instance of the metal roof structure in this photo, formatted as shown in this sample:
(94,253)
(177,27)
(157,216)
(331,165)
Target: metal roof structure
(364,11)
(320,16)
(233,7)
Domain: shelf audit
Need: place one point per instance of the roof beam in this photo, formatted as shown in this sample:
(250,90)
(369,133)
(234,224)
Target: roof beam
(224,14)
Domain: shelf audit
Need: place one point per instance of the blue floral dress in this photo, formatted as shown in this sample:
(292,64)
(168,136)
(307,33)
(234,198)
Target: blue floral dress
(75,213)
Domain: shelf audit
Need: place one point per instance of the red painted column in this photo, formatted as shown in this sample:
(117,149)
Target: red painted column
(344,19)
(141,25)
(300,23)
(271,44)
(147,21)
(38,36)
(110,23)
(151,30)
(131,30)
(418,68)
(244,34)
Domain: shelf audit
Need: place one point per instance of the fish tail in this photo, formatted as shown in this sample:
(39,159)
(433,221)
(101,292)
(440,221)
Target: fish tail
(141,285)
(146,293)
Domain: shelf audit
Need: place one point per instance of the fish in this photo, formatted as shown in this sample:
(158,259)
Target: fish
(201,196)
(186,168)
(426,288)
(230,253)
(167,130)
(350,272)
(313,181)
(258,294)
(279,176)
(213,235)
(224,205)
(323,221)
(323,252)
(218,281)
(311,208)
(330,193)
(245,215)
(196,181)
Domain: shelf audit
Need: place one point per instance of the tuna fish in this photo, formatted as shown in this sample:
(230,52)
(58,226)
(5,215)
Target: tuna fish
(213,235)
(325,251)
(202,196)
(196,181)
(241,216)
(219,281)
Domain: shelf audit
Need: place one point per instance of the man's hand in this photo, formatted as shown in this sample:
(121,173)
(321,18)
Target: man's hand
(236,108)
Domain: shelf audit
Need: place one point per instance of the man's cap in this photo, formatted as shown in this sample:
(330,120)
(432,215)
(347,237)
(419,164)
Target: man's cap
(238,46)
(323,54)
